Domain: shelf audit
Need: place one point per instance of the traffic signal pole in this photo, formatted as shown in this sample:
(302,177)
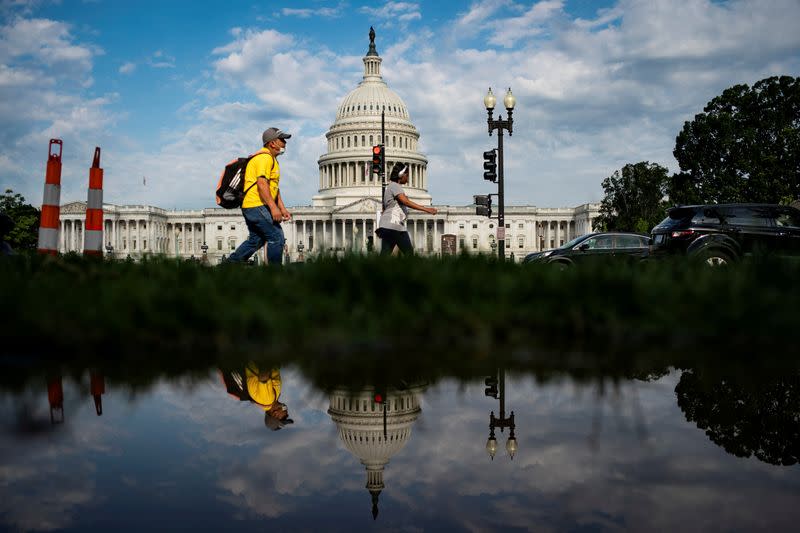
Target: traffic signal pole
(501,220)
(383,159)
(509,101)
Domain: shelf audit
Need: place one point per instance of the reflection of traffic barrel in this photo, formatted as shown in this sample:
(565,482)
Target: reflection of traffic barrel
(55,397)
(93,234)
(48,225)
(97,386)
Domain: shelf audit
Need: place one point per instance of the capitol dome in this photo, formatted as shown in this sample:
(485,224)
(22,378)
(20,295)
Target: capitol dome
(345,174)
(375,432)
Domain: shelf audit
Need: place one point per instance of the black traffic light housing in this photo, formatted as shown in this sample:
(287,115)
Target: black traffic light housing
(490,165)
(483,205)
(378,158)
(491,387)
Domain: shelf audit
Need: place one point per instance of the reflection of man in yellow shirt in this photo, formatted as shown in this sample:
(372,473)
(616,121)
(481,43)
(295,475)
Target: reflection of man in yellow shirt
(262,387)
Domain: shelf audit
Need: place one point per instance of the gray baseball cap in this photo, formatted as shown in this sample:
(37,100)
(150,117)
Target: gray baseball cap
(270,134)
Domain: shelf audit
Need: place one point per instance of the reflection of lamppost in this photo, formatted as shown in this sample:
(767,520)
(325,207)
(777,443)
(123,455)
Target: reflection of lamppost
(300,248)
(496,388)
(489,100)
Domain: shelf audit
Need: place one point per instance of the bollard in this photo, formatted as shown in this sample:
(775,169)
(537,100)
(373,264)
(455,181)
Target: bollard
(93,230)
(48,225)
(55,397)
(97,386)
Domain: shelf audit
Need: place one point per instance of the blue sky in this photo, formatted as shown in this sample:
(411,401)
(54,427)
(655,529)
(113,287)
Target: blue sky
(172,90)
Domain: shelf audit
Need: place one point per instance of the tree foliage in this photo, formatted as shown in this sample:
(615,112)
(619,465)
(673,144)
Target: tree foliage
(25,233)
(756,415)
(744,147)
(634,198)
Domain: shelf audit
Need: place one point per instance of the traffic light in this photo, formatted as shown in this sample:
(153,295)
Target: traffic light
(491,387)
(483,205)
(377,159)
(490,165)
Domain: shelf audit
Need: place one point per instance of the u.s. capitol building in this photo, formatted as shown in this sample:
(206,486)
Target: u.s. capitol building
(342,216)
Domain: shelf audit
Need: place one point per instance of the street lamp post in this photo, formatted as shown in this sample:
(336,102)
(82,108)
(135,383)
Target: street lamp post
(110,250)
(502,421)
(509,101)
(204,248)
(300,249)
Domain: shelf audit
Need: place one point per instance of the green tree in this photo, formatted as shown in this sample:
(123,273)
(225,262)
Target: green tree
(634,198)
(25,234)
(744,147)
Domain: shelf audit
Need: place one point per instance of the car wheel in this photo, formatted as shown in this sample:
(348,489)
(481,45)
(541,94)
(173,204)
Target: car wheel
(560,265)
(715,258)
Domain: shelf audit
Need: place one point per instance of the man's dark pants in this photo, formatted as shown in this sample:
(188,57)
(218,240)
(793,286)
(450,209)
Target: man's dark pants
(262,230)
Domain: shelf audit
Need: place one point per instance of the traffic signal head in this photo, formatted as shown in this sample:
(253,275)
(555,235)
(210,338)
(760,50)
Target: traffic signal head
(377,158)
(491,387)
(483,205)
(490,165)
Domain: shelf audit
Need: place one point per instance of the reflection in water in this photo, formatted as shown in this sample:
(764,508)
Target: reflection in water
(375,425)
(262,388)
(496,388)
(55,395)
(182,452)
(749,416)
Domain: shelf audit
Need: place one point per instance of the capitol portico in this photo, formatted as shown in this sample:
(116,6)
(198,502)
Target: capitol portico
(342,216)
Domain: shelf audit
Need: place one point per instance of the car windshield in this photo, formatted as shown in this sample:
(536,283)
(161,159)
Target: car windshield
(571,243)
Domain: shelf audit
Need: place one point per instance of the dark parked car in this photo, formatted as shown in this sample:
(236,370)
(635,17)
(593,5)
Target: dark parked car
(722,233)
(607,246)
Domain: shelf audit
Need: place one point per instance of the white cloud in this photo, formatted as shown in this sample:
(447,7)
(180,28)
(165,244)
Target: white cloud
(592,94)
(127,68)
(326,12)
(509,31)
(402,11)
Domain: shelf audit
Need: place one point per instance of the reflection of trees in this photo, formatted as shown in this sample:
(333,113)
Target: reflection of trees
(752,416)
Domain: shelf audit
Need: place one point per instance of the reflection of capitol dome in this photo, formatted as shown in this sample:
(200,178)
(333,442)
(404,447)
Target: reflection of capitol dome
(374,432)
(345,169)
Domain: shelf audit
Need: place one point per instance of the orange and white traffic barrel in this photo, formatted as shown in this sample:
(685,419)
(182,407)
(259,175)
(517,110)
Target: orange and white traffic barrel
(93,230)
(55,397)
(97,386)
(48,225)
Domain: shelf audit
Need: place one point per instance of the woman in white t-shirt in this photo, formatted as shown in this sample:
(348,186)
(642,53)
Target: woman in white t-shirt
(392,227)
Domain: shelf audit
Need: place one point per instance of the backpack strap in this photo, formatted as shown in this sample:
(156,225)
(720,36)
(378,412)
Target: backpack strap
(270,170)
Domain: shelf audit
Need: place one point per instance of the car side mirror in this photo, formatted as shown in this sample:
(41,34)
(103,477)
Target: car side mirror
(583,247)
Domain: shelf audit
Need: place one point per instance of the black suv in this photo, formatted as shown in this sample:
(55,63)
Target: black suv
(721,233)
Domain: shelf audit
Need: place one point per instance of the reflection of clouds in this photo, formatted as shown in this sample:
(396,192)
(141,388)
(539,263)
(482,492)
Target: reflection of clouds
(559,480)
(264,473)
(46,478)
(570,472)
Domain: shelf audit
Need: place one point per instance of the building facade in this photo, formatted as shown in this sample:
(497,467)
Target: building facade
(342,217)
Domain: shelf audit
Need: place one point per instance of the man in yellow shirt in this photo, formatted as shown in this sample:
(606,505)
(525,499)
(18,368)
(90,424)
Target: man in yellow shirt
(262,206)
(261,387)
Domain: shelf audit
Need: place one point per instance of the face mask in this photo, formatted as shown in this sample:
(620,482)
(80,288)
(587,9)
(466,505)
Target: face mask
(282,151)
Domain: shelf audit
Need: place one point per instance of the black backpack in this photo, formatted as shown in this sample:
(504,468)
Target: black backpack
(230,189)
